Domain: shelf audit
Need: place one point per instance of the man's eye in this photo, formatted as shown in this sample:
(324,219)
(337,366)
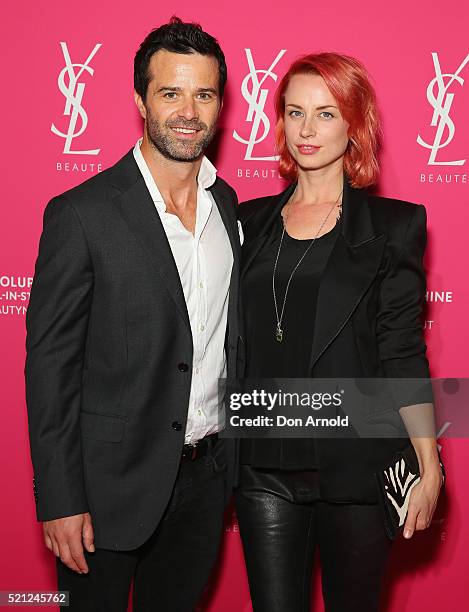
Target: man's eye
(205,96)
(169,94)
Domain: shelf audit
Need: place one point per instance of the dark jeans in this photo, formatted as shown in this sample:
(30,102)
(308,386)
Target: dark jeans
(172,567)
(282,519)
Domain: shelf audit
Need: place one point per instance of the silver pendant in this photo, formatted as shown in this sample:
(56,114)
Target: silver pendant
(279,334)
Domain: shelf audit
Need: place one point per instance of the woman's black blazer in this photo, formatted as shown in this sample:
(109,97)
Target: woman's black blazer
(368,318)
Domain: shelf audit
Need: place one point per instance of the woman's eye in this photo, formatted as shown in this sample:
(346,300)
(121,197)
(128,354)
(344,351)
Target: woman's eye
(295,113)
(329,115)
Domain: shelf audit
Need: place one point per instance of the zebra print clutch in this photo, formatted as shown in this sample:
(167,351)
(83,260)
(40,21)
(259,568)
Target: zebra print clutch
(395,483)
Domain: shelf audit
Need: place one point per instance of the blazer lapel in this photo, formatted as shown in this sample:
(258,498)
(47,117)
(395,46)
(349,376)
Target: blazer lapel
(139,211)
(351,267)
(228,215)
(224,205)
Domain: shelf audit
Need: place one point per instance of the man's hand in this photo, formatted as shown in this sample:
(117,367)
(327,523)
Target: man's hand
(64,537)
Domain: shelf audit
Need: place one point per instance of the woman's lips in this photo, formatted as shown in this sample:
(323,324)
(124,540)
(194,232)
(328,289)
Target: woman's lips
(308,149)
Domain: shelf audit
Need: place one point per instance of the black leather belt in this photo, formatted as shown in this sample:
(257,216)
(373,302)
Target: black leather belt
(191,452)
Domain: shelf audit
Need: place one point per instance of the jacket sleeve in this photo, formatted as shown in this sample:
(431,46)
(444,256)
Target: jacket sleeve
(402,347)
(56,327)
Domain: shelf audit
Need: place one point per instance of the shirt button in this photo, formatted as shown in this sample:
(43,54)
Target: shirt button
(199,411)
(202,327)
(183,367)
(201,285)
(196,370)
(176,425)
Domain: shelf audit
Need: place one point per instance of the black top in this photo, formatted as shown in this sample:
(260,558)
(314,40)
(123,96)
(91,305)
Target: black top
(268,358)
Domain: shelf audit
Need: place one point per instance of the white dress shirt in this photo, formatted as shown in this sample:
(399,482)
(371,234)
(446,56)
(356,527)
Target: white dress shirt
(204,261)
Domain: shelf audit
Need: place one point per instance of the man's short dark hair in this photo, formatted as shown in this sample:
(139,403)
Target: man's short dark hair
(176,37)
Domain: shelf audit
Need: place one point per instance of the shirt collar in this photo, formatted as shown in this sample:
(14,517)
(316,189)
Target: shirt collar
(205,178)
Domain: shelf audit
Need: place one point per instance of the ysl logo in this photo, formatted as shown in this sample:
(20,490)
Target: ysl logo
(73,91)
(256,96)
(441,102)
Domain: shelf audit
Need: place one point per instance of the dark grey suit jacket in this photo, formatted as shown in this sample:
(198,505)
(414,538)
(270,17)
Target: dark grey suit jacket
(109,356)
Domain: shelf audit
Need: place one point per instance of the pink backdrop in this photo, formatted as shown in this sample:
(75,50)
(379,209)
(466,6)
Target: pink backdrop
(418,59)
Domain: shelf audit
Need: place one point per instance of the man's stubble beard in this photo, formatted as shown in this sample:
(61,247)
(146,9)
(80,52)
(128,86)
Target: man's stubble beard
(178,150)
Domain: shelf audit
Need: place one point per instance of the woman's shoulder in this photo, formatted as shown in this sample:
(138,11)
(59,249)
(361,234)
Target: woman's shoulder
(401,206)
(249,209)
(393,212)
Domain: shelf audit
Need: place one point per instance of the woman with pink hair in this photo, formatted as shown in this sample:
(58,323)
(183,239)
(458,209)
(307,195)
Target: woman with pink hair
(333,287)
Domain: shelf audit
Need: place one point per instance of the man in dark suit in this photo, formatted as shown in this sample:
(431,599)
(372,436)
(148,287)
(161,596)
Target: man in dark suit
(131,323)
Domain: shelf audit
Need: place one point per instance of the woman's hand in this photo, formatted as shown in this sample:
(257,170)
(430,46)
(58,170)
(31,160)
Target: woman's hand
(423,500)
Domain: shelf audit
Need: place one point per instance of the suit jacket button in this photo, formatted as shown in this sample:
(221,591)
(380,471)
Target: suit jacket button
(183,367)
(176,425)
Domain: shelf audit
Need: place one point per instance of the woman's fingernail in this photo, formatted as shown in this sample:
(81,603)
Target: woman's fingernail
(407,533)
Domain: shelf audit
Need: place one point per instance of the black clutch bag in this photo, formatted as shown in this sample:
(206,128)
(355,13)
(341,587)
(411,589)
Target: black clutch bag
(395,483)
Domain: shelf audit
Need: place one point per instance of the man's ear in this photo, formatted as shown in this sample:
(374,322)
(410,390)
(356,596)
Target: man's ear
(140,105)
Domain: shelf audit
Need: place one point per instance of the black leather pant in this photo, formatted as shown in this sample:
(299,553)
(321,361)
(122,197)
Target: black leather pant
(282,519)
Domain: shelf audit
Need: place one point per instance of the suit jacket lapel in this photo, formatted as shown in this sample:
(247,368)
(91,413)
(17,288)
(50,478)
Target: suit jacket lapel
(229,220)
(228,215)
(139,211)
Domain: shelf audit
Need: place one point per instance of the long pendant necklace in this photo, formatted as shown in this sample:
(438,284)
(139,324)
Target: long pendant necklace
(278,328)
